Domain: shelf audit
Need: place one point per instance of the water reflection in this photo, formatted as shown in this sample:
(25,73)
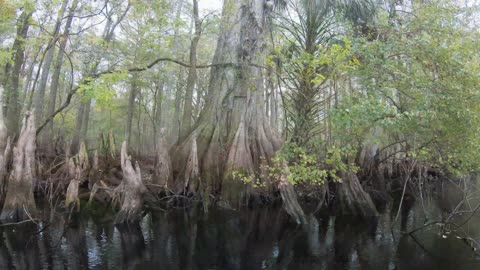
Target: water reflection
(250,239)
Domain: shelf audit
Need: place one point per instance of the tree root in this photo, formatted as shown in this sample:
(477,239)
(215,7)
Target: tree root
(132,189)
(162,173)
(351,199)
(289,197)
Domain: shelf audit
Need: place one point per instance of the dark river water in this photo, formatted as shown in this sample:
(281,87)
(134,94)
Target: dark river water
(249,239)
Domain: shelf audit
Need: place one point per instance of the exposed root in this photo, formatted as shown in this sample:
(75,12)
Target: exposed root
(239,159)
(192,170)
(72,199)
(132,189)
(162,173)
(289,197)
(83,161)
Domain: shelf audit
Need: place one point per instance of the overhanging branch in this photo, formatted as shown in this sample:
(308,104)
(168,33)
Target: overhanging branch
(89,79)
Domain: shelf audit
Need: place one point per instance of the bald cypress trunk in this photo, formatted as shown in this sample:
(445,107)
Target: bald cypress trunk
(12,82)
(83,112)
(192,75)
(4,149)
(19,202)
(168,121)
(162,175)
(58,67)
(39,98)
(130,108)
(233,133)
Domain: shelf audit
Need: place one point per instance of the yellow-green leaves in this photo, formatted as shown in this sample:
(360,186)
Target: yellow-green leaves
(102,89)
(419,82)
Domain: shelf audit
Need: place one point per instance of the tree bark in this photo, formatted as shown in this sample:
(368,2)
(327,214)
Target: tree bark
(130,108)
(13,106)
(175,127)
(351,199)
(157,116)
(132,190)
(289,198)
(39,98)
(58,66)
(162,174)
(192,75)
(167,121)
(71,197)
(4,149)
(3,127)
(232,132)
(20,203)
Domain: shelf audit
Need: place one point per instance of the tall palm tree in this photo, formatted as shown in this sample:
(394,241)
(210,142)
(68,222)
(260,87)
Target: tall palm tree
(309,27)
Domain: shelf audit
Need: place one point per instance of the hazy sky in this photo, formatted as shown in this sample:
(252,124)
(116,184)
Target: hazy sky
(210,4)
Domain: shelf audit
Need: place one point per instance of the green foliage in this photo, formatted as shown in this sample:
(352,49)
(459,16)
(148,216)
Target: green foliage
(302,166)
(418,81)
(102,89)
(307,167)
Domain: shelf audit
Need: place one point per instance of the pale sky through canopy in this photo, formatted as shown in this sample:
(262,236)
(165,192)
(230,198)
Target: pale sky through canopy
(210,4)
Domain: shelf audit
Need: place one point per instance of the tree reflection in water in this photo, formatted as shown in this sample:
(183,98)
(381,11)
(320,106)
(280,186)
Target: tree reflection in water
(248,239)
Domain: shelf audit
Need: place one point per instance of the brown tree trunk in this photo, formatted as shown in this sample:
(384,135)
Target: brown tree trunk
(192,75)
(162,174)
(58,67)
(13,76)
(168,121)
(85,121)
(20,203)
(351,199)
(71,197)
(3,131)
(175,127)
(39,98)
(83,113)
(132,190)
(78,126)
(289,198)
(158,109)
(78,169)
(130,108)
(232,132)
(5,148)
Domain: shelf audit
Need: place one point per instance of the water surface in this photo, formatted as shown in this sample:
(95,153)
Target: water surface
(248,239)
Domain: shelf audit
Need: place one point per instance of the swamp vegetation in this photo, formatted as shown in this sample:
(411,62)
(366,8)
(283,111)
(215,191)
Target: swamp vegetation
(239,134)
